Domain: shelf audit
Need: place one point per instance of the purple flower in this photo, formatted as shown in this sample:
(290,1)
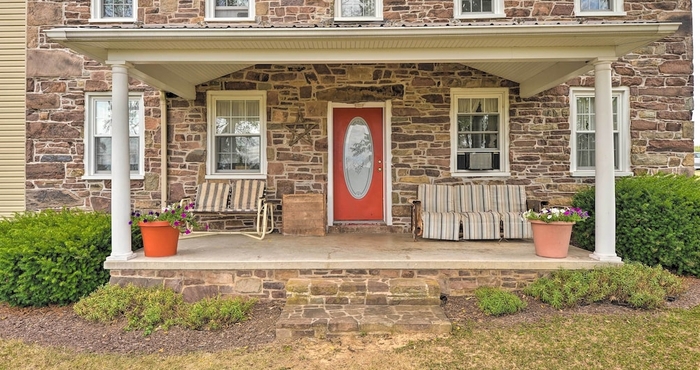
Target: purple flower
(187,231)
(131,222)
(176,223)
(183,215)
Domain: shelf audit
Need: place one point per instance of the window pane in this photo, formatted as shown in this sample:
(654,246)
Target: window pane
(103,154)
(231,9)
(585,147)
(117,8)
(595,5)
(237,153)
(464,123)
(357,8)
(134,118)
(615,113)
(477,6)
(134,153)
(103,117)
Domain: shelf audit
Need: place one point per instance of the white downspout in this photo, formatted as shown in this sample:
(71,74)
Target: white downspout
(163,150)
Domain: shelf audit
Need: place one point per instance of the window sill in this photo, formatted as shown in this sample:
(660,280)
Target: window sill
(481,174)
(358,19)
(109,177)
(247,19)
(591,173)
(112,20)
(599,14)
(236,176)
(480,16)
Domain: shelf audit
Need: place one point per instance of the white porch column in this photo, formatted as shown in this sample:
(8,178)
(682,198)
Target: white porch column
(604,165)
(121,188)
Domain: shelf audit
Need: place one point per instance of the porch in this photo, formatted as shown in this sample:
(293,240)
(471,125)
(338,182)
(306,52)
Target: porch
(238,265)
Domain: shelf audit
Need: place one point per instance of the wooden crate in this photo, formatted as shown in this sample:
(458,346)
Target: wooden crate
(304,214)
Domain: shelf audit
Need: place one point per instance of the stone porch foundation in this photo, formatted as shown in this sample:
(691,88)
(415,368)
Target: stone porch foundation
(273,284)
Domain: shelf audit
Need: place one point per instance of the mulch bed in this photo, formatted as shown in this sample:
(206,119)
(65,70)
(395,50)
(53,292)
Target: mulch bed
(60,327)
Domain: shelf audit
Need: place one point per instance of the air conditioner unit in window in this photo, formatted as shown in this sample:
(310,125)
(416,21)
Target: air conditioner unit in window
(481,161)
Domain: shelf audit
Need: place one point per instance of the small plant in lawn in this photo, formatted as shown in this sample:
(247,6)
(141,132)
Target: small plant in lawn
(157,308)
(631,284)
(498,302)
(214,313)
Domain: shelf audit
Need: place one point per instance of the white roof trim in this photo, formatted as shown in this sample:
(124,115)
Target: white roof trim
(556,51)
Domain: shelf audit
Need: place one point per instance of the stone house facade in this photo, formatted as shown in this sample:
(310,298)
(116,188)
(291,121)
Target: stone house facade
(543,139)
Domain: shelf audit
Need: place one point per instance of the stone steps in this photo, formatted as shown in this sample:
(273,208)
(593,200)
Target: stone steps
(326,307)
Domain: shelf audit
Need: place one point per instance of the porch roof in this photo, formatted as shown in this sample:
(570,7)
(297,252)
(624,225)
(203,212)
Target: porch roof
(538,56)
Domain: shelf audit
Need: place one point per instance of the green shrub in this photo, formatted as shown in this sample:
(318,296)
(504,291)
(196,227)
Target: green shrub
(631,284)
(52,257)
(155,308)
(657,221)
(497,302)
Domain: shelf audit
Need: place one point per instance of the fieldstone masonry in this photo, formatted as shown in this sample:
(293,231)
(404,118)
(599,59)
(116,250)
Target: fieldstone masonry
(371,287)
(659,77)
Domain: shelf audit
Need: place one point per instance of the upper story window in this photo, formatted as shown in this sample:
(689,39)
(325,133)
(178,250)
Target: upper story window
(471,9)
(358,10)
(230,10)
(598,8)
(583,121)
(98,135)
(113,10)
(236,134)
(479,132)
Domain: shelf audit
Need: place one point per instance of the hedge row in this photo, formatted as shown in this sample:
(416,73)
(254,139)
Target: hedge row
(657,221)
(53,257)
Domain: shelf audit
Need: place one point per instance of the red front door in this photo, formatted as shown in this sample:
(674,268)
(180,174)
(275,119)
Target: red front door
(358,164)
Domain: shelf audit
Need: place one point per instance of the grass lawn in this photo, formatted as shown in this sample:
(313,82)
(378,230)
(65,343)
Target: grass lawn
(660,340)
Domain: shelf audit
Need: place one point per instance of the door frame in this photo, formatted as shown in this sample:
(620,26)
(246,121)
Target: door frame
(386,131)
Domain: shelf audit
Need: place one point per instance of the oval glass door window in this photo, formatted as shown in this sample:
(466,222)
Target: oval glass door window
(358,161)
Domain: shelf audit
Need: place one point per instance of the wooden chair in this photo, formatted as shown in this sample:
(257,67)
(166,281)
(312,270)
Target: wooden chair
(239,196)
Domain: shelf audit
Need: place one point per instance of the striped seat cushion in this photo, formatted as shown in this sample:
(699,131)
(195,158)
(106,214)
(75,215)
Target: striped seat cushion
(515,226)
(472,198)
(480,225)
(441,225)
(436,198)
(245,195)
(212,197)
(507,198)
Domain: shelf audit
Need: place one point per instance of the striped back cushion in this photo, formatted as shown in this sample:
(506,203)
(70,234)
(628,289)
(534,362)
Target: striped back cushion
(508,198)
(212,197)
(436,198)
(473,198)
(246,194)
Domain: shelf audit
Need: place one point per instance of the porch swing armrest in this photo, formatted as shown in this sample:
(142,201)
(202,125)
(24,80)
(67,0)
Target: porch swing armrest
(536,204)
(185,201)
(416,219)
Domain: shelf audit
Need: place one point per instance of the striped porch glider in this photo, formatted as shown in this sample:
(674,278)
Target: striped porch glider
(434,213)
(479,221)
(510,203)
(239,196)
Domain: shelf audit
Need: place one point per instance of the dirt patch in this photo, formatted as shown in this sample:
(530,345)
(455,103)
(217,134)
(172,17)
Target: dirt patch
(60,327)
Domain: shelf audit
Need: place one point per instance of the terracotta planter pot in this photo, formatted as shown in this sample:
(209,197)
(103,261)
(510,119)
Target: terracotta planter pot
(551,239)
(159,238)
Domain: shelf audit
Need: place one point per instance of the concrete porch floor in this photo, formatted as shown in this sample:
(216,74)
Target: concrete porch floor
(351,251)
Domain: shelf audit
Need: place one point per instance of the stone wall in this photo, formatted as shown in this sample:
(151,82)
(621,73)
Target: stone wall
(272,284)
(659,77)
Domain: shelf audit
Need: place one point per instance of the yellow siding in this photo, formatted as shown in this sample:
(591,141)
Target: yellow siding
(12,106)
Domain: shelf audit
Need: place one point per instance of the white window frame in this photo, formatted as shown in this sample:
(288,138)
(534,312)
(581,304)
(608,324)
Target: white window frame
(498,11)
(89,137)
(617,9)
(210,13)
(502,94)
(97,16)
(212,97)
(378,13)
(623,129)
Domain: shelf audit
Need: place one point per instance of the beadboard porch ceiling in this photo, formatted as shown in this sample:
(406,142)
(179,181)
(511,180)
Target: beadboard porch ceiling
(536,55)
